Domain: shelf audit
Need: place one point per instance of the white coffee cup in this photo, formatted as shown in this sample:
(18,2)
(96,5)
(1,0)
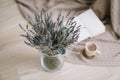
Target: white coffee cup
(91,49)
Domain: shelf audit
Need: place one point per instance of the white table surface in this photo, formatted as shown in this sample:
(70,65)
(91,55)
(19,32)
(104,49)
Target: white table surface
(21,62)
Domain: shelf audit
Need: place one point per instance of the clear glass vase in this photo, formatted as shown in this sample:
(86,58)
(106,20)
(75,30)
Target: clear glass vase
(51,63)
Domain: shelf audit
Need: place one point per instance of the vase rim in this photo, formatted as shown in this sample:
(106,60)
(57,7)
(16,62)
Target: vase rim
(50,55)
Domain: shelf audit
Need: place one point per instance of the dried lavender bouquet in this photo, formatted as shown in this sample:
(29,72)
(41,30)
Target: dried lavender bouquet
(48,34)
(51,37)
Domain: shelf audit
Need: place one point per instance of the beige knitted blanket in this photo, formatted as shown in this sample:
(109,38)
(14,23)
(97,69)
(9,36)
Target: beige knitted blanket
(107,10)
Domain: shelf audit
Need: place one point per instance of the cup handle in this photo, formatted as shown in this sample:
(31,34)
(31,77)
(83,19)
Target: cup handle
(98,52)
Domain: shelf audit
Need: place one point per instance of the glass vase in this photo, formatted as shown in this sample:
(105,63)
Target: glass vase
(51,62)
